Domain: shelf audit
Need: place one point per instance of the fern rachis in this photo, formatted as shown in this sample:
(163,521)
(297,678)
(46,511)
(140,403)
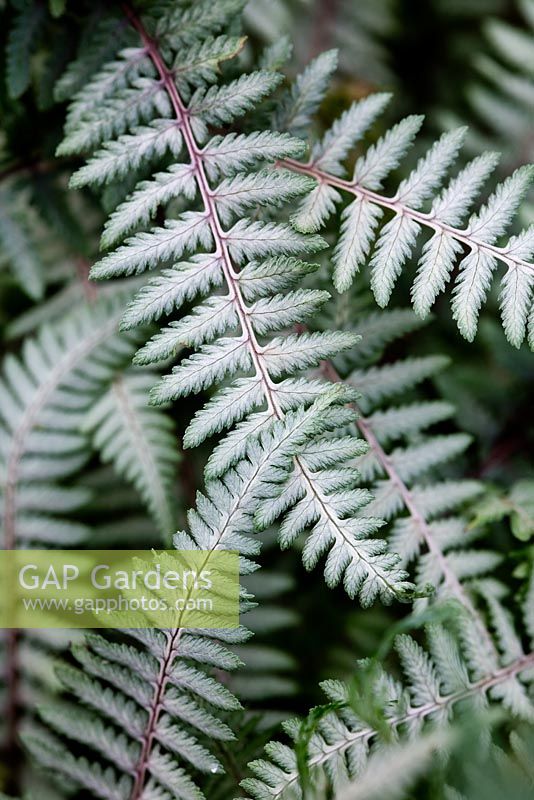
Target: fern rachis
(46,395)
(427,219)
(492,664)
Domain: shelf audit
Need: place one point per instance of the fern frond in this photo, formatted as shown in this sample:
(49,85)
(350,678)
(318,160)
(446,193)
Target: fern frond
(45,396)
(392,771)
(344,745)
(414,207)
(425,530)
(253,260)
(152,697)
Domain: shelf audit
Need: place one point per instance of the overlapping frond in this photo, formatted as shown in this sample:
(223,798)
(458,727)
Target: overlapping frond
(405,464)
(382,228)
(409,491)
(245,269)
(341,744)
(45,395)
(151,702)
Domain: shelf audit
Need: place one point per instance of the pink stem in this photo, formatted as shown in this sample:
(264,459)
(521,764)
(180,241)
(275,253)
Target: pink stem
(425,219)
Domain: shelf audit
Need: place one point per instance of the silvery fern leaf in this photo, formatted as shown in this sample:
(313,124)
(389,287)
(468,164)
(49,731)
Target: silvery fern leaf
(416,205)
(404,460)
(384,156)
(330,153)
(178,181)
(241,192)
(152,696)
(173,287)
(214,316)
(342,745)
(230,154)
(187,25)
(223,104)
(144,250)
(44,395)
(118,156)
(316,207)
(359,221)
(114,77)
(200,64)
(140,102)
(392,249)
(242,345)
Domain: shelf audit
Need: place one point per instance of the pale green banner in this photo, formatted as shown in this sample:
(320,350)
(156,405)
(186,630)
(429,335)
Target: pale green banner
(119,589)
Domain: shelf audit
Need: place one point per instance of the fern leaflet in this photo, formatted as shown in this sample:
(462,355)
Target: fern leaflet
(408,214)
